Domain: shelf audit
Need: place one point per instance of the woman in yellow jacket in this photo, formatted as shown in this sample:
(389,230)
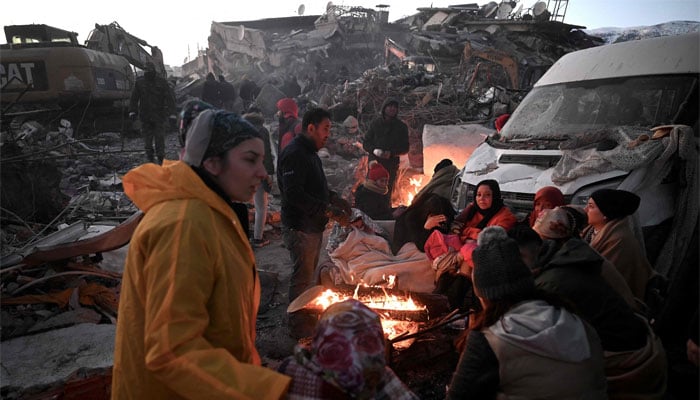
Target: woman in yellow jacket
(190,291)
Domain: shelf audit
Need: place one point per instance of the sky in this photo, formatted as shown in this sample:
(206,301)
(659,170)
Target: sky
(180,29)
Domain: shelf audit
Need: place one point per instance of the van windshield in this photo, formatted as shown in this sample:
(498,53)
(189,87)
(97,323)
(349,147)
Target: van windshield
(572,111)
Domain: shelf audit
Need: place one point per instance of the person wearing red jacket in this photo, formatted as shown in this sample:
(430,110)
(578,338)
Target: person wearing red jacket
(452,253)
(289,124)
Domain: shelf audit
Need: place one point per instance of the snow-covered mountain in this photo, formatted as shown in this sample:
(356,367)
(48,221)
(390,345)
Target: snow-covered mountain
(616,35)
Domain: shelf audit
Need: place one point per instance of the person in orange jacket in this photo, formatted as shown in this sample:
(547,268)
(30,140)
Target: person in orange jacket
(190,290)
(452,253)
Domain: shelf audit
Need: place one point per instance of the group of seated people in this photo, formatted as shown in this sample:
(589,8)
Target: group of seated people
(557,298)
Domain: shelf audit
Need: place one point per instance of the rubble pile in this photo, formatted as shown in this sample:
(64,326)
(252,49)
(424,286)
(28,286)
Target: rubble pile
(445,65)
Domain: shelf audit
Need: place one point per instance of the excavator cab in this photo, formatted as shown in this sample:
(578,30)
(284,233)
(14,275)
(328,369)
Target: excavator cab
(38,35)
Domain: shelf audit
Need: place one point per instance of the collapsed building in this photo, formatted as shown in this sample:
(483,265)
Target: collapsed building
(445,65)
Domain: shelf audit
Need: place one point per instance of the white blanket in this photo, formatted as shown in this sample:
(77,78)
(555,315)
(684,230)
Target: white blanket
(367,258)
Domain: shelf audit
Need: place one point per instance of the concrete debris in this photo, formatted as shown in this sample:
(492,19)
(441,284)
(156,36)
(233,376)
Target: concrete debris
(38,363)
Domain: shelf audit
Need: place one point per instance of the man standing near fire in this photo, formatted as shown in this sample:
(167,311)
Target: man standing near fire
(387,139)
(307,203)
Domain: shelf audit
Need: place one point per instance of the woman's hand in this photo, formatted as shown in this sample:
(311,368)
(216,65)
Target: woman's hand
(433,221)
(456,227)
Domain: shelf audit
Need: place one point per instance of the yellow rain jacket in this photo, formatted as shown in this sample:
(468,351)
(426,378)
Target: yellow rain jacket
(189,296)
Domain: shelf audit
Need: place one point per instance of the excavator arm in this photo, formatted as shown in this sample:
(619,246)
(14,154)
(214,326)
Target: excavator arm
(497,57)
(114,39)
(391,47)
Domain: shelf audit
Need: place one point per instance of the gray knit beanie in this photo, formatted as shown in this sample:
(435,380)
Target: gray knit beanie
(499,272)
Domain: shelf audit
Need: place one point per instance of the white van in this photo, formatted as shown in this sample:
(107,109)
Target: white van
(586,125)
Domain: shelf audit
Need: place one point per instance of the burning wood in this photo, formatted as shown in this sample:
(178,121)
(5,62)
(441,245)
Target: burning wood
(401,315)
(390,304)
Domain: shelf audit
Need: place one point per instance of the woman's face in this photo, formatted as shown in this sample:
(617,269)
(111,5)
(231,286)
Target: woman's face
(240,170)
(484,197)
(542,204)
(595,216)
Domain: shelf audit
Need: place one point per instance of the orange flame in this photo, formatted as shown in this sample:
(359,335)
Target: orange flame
(391,328)
(415,185)
(386,302)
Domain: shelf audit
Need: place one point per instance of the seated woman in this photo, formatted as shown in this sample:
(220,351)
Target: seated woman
(372,196)
(487,209)
(451,253)
(564,223)
(346,359)
(524,343)
(441,182)
(546,198)
(635,361)
(610,233)
(426,214)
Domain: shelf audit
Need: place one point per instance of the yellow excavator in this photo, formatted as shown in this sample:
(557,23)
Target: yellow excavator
(482,58)
(47,75)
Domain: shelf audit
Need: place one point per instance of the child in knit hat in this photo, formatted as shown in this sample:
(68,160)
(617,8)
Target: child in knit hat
(372,196)
(523,344)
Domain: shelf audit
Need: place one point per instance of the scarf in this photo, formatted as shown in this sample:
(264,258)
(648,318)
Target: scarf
(487,214)
(347,350)
(373,186)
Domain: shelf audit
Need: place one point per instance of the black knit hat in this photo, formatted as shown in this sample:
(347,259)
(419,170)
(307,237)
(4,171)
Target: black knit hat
(499,272)
(615,203)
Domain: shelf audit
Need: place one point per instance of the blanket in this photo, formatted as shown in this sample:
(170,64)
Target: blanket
(366,258)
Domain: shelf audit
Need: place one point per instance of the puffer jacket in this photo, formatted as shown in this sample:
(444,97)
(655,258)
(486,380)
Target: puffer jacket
(573,270)
(190,296)
(535,351)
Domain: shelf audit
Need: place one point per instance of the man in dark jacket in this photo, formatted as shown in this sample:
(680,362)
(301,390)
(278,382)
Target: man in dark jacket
(248,90)
(228,93)
(211,91)
(387,139)
(152,100)
(307,203)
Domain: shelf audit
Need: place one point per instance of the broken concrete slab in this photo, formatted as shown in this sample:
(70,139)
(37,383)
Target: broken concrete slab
(51,358)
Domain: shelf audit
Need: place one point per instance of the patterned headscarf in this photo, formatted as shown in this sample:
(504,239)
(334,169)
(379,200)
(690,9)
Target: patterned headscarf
(347,350)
